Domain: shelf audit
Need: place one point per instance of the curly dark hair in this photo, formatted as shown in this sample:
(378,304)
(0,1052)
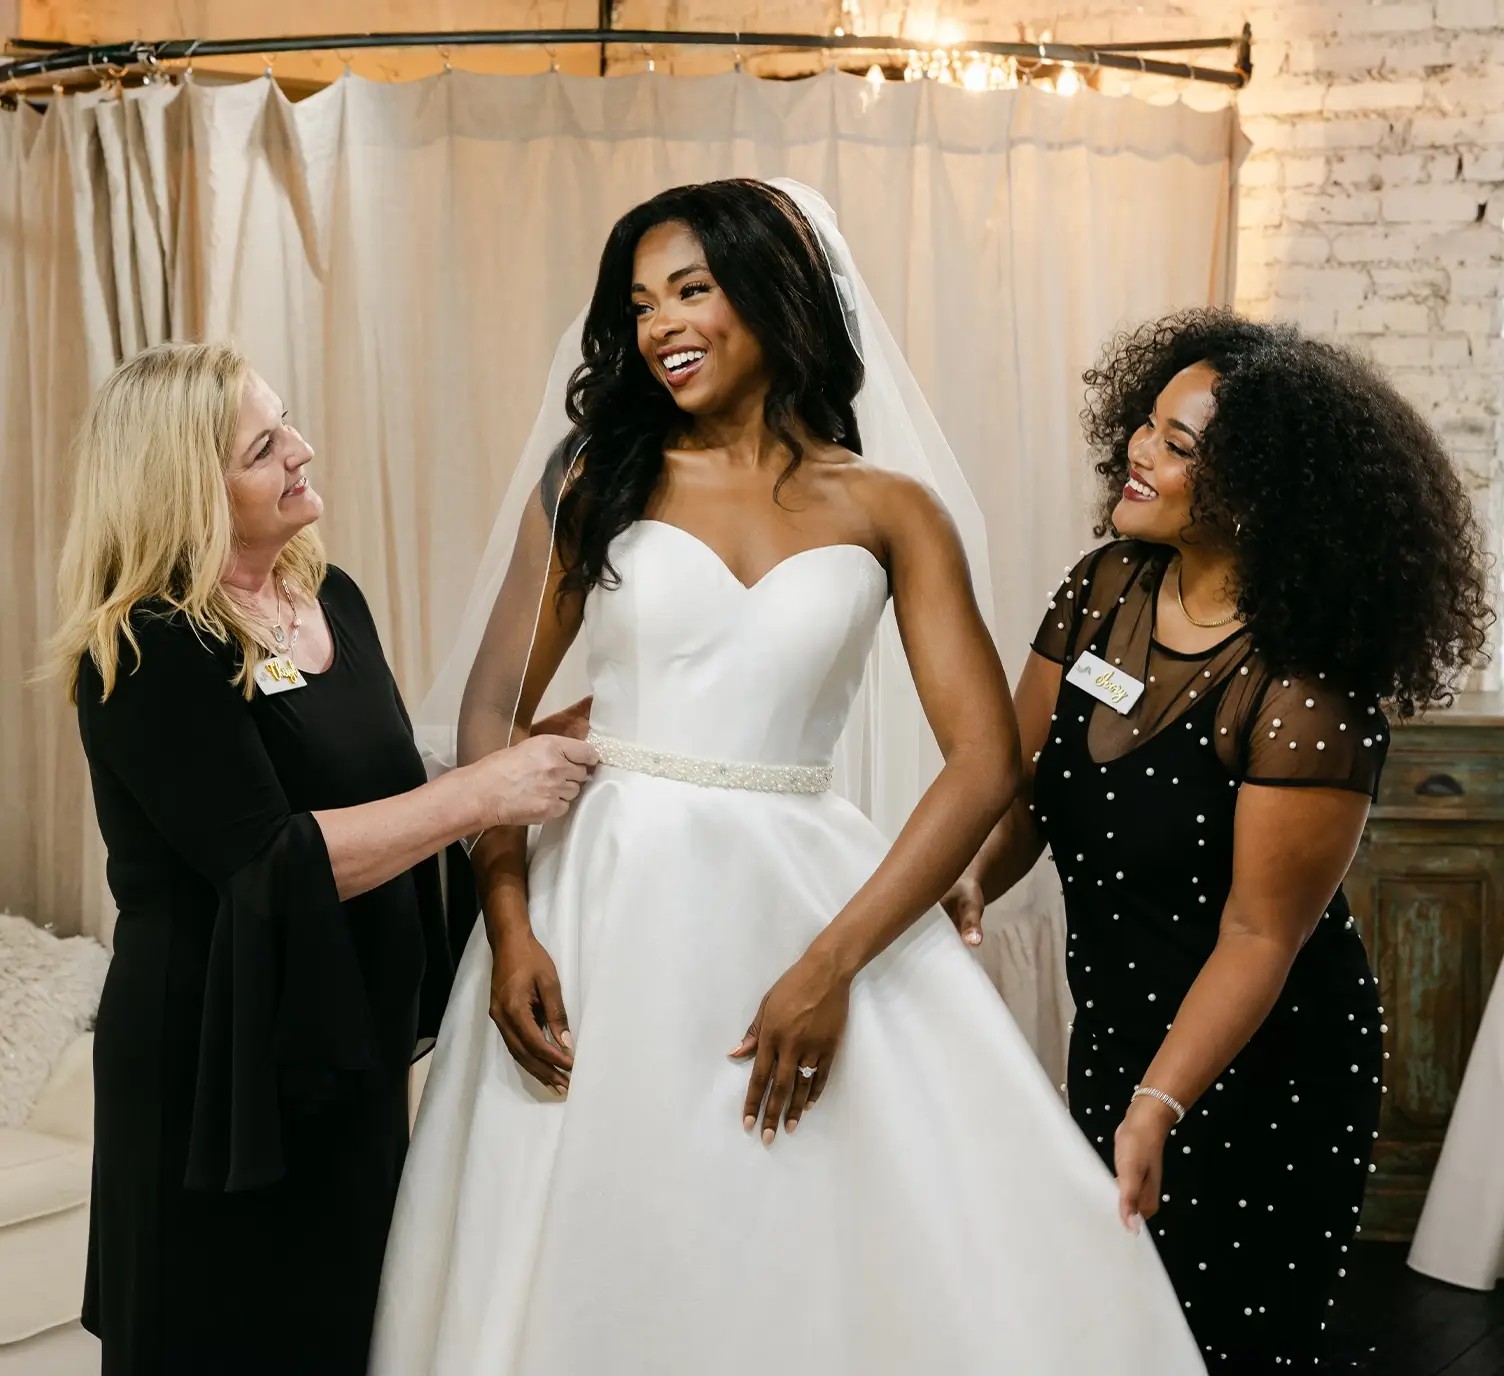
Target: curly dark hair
(1358,556)
(766,257)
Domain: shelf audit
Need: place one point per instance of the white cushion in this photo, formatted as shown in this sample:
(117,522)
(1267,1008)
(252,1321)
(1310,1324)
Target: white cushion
(42,1272)
(49,994)
(40,1175)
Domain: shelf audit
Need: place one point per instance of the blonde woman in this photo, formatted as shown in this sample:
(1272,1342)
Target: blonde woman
(281,945)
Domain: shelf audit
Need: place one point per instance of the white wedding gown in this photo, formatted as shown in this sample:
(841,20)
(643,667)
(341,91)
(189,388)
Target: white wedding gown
(937,1211)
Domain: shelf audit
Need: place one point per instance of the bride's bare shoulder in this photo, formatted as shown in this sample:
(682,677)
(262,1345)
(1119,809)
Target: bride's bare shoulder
(898,506)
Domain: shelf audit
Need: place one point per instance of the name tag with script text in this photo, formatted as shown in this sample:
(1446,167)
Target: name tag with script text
(1106,683)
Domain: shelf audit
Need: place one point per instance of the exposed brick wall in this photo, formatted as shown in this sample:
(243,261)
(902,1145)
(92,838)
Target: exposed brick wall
(1372,204)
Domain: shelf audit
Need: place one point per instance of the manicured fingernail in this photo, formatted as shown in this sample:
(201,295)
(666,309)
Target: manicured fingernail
(565,1040)
(973,937)
(747,1123)
(1135,1223)
(792,1124)
(767,1137)
(734,1052)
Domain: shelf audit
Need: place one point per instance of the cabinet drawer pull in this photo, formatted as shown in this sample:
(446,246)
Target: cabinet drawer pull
(1439,786)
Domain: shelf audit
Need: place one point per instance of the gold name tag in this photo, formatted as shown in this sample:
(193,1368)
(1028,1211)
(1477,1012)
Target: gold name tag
(1106,683)
(278,675)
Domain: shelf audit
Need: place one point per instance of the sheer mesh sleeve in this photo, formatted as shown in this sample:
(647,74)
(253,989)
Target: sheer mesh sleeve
(1058,630)
(1306,734)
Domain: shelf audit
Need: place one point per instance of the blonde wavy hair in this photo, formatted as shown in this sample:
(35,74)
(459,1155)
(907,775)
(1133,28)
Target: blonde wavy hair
(151,519)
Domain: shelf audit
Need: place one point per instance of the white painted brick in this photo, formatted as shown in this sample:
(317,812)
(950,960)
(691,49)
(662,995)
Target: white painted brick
(1259,171)
(1477,284)
(1346,58)
(1365,96)
(1257,278)
(1469,14)
(1421,284)
(1469,317)
(1464,92)
(1473,245)
(1309,171)
(1300,250)
(1454,131)
(1402,169)
(1359,170)
(1484,166)
(1381,246)
(1422,387)
(1256,208)
(1385,317)
(1384,18)
(1413,55)
(1451,351)
(1333,286)
(1454,204)
(1331,208)
(1400,350)
(1341,133)
(1319,317)
(1283,96)
(1267,134)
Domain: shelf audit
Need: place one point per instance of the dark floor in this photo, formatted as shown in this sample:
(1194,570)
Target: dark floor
(1418,1326)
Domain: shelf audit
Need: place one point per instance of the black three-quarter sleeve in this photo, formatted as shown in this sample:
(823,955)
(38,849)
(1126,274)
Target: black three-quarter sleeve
(285,1009)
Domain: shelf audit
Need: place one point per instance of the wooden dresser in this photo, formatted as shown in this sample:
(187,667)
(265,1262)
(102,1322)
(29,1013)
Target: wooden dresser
(1427,889)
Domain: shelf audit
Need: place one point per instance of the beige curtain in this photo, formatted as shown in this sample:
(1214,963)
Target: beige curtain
(398,260)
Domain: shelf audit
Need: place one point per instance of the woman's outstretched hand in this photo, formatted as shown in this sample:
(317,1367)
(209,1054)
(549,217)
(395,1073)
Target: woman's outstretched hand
(793,1041)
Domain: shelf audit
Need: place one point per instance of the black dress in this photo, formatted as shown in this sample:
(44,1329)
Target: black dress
(1263,1180)
(254,1033)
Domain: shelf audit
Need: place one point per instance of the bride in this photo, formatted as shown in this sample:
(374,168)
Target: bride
(738,549)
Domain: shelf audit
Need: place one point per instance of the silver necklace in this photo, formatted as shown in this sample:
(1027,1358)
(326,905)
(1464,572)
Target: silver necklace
(287,643)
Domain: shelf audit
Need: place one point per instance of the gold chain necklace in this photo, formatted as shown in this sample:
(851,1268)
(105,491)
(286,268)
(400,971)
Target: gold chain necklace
(1202,625)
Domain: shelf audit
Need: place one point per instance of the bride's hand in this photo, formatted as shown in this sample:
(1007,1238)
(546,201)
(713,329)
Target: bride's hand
(797,1028)
(526,1000)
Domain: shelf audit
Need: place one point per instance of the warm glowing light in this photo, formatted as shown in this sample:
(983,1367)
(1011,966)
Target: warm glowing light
(875,74)
(1067,83)
(949,34)
(976,76)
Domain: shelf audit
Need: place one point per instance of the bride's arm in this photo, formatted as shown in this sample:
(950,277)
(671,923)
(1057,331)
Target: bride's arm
(964,692)
(965,697)
(512,669)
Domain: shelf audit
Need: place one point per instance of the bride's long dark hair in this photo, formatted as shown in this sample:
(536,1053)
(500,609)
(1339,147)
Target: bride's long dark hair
(766,257)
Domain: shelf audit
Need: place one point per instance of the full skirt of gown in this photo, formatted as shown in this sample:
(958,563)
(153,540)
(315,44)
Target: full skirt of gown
(937,1211)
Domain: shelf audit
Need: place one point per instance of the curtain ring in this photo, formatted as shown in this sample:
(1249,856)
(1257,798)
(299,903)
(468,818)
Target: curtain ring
(553,60)
(647,52)
(267,72)
(344,57)
(444,54)
(736,64)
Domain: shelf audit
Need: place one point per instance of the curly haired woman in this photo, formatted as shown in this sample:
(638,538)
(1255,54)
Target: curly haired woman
(1205,709)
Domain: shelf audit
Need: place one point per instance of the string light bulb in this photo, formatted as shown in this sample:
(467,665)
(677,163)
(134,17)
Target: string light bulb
(875,75)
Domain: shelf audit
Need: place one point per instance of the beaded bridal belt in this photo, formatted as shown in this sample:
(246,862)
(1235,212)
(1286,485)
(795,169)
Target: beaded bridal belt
(688,769)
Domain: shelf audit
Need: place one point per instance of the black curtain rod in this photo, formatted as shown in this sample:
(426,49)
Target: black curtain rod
(122,58)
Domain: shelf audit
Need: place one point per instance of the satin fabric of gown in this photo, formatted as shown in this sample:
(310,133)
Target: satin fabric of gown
(936,1211)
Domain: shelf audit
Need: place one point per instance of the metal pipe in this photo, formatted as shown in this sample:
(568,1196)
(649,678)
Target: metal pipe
(53,61)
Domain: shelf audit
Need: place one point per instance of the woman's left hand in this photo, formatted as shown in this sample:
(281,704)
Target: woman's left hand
(1138,1155)
(797,1028)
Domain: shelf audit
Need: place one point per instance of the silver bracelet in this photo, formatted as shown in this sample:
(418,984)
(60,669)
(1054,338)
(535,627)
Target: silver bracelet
(1144,1092)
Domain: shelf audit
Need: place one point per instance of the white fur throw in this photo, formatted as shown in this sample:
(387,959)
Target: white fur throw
(49,994)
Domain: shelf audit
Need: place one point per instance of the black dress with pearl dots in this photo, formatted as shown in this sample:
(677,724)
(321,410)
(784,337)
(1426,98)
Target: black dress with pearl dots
(1264,1178)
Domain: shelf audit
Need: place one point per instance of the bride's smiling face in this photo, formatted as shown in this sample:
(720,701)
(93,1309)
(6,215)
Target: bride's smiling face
(689,333)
